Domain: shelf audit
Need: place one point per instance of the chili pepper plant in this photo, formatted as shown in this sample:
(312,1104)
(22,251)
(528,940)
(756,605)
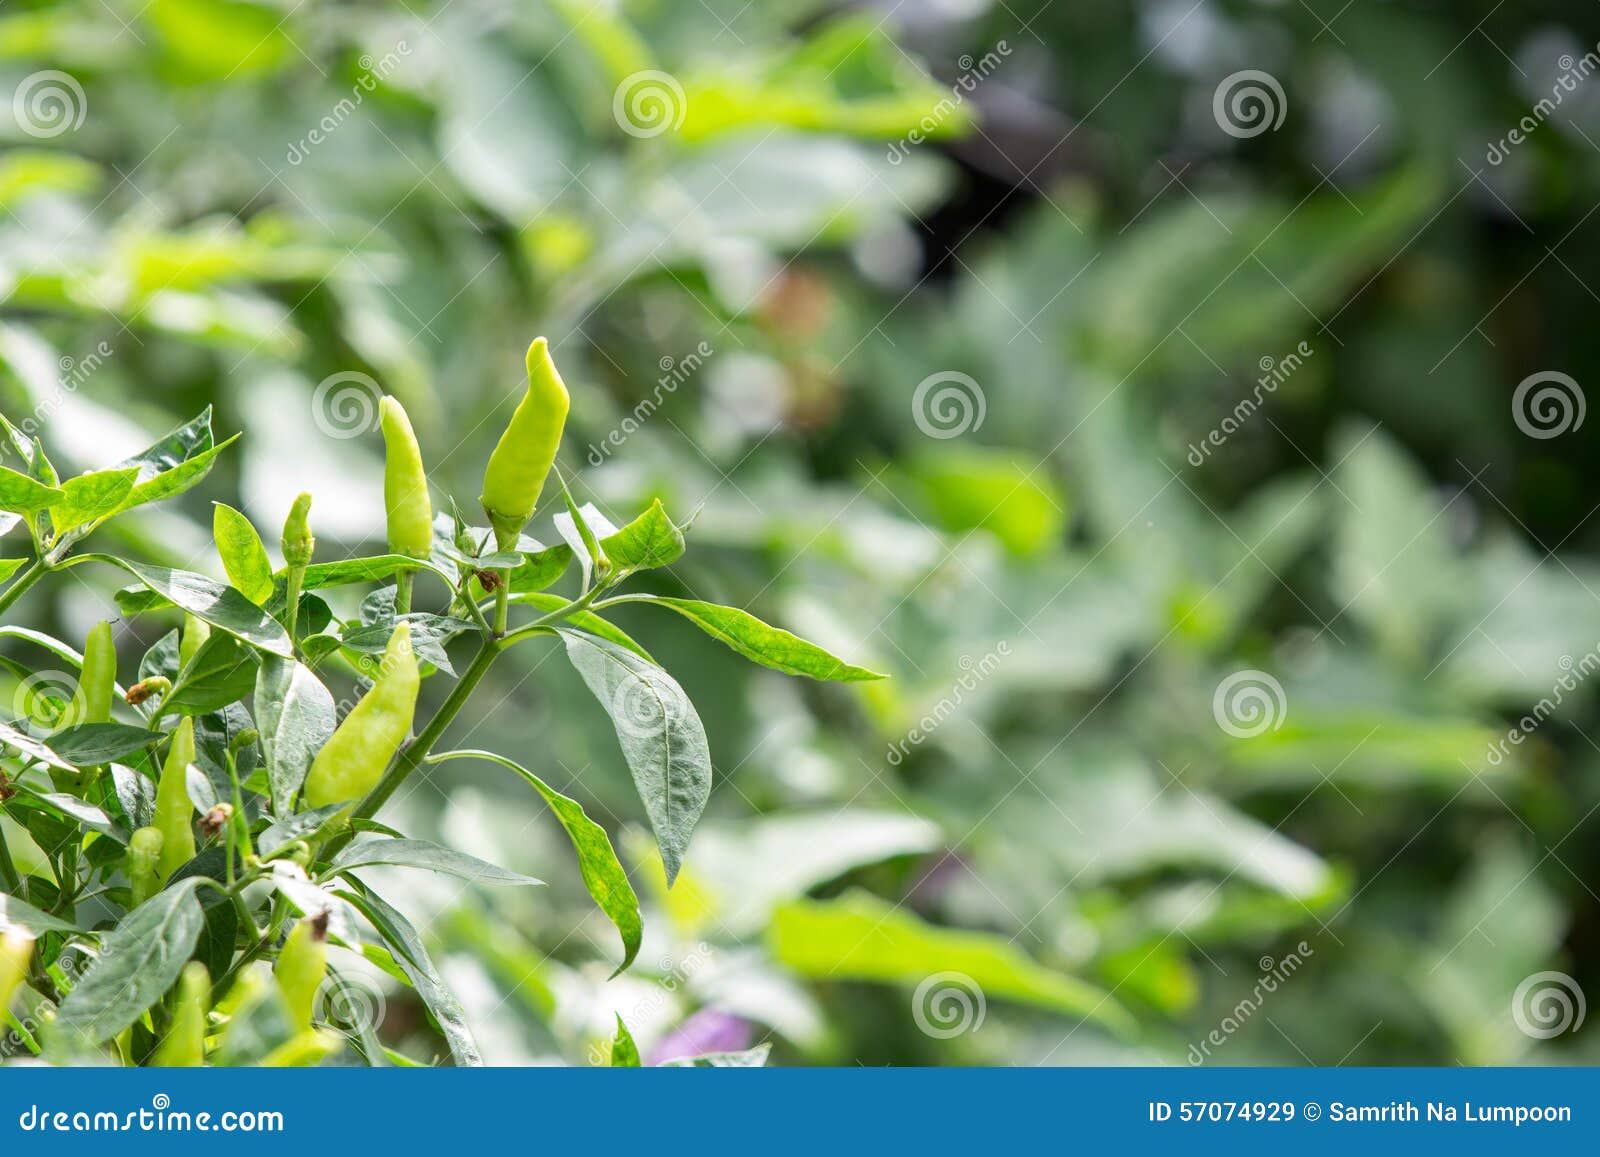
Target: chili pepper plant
(207,815)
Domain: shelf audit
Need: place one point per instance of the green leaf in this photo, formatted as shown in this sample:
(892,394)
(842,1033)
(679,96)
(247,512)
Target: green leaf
(380,851)
(651,540)
(214,947)
(223,672)
(413,959)
(541,568)
(312,900)
(15,913)
(175,447)
(584,620)
(602,872)
(581,530)
(860,937)
(173,482)
(624,1053)
(243,555)
(93,744)
(140,960)
(24,495)
(662,738)
(23,444)
(136,795)
(33,748)
(296,715)
(760,643)
(361,570)
(90,496)
(174,462)
(285,832)
(9,567)
(429,634)
(85,814)
(221,606)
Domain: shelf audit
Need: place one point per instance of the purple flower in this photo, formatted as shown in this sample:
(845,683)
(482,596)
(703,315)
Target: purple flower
(707,1031)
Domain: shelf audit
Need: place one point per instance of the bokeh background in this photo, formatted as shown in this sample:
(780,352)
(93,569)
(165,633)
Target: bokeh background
(1182,401)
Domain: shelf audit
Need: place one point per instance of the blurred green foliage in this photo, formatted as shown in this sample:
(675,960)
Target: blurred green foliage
(755,234)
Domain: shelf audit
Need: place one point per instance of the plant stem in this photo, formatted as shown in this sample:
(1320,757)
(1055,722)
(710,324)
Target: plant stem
(245,918)
(412,755)
(502,606)
(291,612)
(555,616)
(23,581)
(402,592)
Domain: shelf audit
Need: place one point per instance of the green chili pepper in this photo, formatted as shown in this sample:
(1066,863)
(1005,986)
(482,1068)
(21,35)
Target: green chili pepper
(184,1046)
(527,450)
(195,633)
(303,1050)
(16,947)
(405,484)
(354,758)
(302,964)
(98,683)
(298,543)
(173,809)
(144,863)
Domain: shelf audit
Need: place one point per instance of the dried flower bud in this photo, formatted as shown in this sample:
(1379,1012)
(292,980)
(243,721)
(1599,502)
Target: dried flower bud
(216,819)
(148,688)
